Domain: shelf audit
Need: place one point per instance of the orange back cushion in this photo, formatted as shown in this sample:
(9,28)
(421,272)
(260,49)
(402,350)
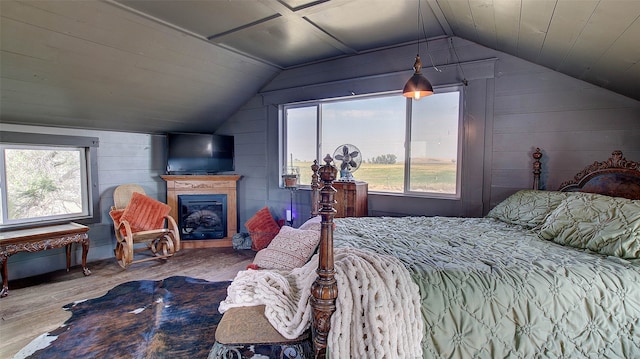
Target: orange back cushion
(144,213)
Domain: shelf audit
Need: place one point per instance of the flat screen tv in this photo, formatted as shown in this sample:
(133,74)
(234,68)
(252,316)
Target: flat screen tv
(199,153)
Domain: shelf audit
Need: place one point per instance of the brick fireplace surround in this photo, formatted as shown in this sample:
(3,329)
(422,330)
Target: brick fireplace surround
(210,184)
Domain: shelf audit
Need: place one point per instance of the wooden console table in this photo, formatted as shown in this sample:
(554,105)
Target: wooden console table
(40,239)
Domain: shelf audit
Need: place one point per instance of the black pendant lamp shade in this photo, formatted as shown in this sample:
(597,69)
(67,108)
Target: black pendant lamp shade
(418,86)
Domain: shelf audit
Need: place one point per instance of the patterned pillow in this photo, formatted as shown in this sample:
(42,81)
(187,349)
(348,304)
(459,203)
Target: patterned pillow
(527,208)
(262,228)
(144,213)
(291,248)
(603,224)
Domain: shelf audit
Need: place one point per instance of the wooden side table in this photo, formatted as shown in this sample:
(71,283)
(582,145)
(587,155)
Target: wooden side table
(352,199)
(40,239)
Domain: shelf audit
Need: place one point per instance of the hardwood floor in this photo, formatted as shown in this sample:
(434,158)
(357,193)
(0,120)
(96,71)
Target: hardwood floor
(34,305)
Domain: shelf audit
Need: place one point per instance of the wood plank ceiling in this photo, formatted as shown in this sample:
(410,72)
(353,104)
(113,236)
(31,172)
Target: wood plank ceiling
(187,65)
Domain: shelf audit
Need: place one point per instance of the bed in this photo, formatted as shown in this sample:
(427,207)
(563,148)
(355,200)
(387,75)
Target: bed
(544,274)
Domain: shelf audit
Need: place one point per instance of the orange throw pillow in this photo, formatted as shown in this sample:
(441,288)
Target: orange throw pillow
(262,229)
(145,213)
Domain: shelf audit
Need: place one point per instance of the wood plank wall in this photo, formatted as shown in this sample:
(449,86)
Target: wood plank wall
(116,66)
(525,106)
(573,122)
(123,157)
(252,140)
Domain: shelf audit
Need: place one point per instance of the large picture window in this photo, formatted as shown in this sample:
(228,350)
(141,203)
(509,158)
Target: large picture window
(406,147)
(45,183)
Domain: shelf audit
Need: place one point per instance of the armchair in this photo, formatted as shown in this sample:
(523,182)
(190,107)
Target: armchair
(139,219)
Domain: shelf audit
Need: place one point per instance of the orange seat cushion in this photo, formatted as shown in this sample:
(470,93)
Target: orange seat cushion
(116,214)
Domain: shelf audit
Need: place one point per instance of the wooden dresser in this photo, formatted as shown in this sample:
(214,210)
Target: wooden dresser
(351,199)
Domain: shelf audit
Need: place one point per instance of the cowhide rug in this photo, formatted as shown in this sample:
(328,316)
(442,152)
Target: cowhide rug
(171,318)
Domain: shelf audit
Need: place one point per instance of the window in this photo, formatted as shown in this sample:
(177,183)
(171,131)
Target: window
(49,182)
(435,144)
(407,147)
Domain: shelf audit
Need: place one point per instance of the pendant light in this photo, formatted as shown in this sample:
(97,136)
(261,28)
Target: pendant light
(418,86)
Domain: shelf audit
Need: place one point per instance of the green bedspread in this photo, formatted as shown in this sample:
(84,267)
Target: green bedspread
(492,290)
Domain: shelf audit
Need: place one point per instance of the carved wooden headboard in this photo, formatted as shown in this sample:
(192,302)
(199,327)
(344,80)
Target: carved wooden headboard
(614,177)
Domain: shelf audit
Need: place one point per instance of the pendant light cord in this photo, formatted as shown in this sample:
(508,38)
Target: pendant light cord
(424,33)
(464,77)
(418,26)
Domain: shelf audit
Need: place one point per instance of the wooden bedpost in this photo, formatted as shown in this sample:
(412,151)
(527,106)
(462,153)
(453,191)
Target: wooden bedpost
(537,165)
(324,290)
(314,189)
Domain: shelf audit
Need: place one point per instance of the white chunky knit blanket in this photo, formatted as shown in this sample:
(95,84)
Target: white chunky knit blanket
(377,309)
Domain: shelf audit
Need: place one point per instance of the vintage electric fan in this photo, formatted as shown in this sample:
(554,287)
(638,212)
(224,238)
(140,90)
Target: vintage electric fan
(350,160)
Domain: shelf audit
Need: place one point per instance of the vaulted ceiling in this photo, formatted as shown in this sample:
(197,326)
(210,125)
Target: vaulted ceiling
(187,65)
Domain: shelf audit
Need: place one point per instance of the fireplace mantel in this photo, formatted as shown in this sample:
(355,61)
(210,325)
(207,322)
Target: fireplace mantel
(205,184)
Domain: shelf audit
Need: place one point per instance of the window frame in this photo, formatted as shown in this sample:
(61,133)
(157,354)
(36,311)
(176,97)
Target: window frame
(49,141)
(458,194)
(283,160)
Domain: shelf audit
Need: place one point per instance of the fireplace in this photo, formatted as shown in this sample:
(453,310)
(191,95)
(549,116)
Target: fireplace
(187,185)
(202,216)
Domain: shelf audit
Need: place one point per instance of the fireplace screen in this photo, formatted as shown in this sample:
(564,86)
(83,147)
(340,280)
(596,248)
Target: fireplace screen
(202,216)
